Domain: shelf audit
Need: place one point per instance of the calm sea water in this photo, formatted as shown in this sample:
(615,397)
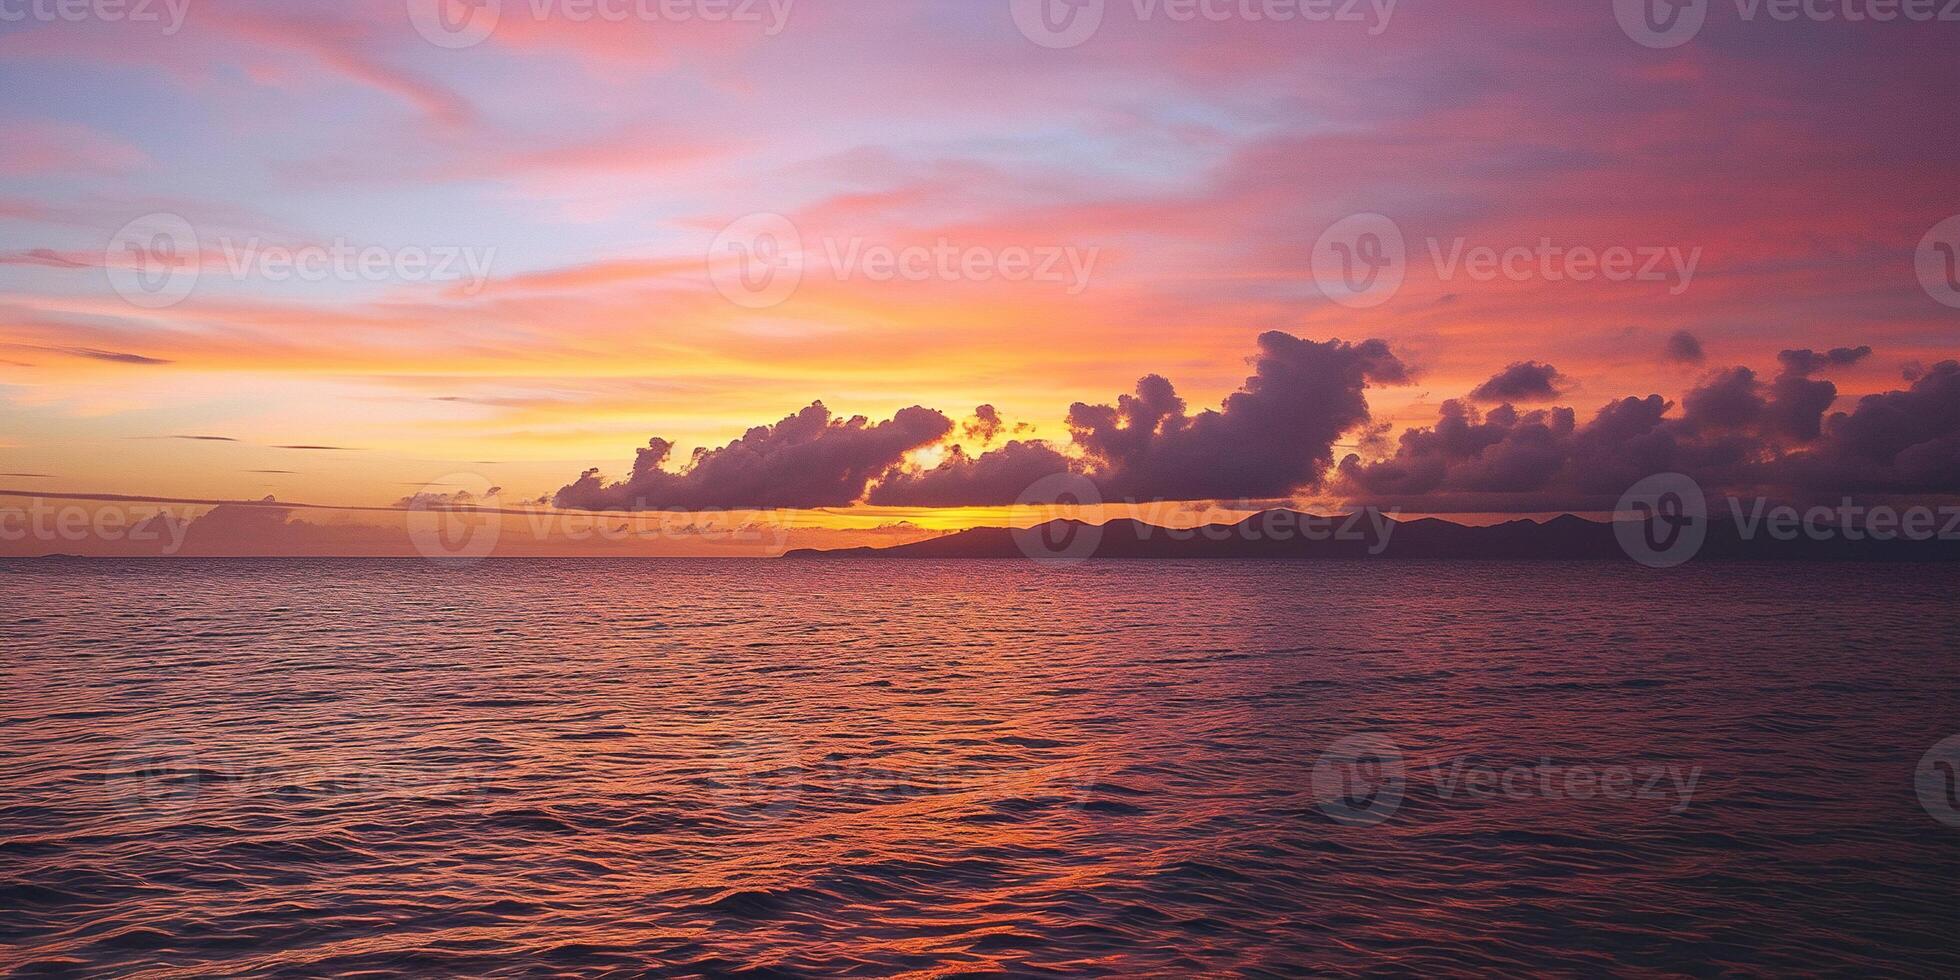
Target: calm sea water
(970,768)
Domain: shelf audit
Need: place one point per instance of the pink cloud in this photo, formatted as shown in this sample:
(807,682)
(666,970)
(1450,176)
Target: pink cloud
(35,147)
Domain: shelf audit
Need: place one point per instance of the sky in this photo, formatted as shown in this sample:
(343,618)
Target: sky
(359,254)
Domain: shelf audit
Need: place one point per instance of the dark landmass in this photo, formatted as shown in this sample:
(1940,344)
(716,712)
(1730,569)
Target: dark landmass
(1372,534)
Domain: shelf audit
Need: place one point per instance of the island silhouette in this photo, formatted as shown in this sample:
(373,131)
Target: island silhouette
(1287,534)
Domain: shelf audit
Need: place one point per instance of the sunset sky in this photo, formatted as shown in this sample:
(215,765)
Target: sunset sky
(596,180)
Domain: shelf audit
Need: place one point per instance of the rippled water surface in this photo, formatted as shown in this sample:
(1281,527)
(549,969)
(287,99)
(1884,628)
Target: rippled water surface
(873,769)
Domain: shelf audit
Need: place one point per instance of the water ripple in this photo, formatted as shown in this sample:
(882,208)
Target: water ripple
(307,768)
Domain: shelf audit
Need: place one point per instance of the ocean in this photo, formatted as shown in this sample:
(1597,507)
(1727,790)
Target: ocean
(872,768)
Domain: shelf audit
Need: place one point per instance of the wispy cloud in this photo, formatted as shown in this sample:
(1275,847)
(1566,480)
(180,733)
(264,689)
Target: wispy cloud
(97,354)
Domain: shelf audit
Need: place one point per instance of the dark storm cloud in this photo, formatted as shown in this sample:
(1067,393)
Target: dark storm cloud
(1798,402)
(1734,432)
(806,460)
(1273,436)
(1899,441)
(1805,363)
(1730,399)
(1525,381)
(1503,452)
(1684,348)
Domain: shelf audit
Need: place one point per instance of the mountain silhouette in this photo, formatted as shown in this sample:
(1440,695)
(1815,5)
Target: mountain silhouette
(1285,534)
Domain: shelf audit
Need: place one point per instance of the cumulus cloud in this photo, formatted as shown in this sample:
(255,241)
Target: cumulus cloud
(1525,381)
(267,529)
(1734,432)
(1273,436)
(985,425)
(1503,452)
(1798,401)
(1805,363)
(1896,442)
(428,500)
(1685,348)
(806,460)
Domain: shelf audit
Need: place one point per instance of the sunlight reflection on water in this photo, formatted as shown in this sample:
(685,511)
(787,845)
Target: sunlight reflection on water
(875,768)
